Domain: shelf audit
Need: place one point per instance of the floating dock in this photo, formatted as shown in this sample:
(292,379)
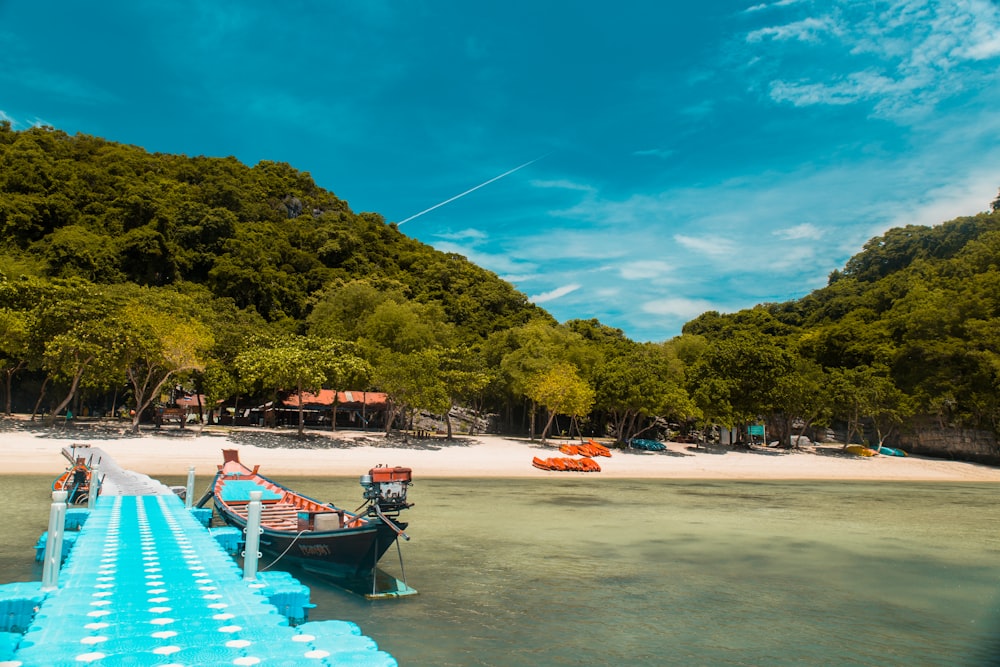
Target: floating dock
(146,584)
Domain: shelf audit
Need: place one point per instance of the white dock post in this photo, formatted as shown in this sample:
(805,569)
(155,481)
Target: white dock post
(189,494)
(95,486)
(252,542)
(53,543)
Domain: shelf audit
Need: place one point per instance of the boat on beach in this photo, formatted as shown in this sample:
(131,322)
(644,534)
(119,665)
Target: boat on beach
(320,538)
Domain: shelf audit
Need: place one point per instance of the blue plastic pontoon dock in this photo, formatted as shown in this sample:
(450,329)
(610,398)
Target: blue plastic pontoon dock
(146,584)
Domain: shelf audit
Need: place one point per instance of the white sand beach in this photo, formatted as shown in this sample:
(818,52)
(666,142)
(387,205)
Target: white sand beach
(172,451)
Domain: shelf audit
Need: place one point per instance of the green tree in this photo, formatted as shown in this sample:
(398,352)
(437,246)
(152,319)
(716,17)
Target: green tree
(561,390)
(801,396)
(735,381)
(13,348)
(638,382)
(534,349)
(159,344)
(411,380)
(300,363)
(465,376)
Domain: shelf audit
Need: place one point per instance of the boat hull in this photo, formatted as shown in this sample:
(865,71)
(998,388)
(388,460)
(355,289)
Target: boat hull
(348,553)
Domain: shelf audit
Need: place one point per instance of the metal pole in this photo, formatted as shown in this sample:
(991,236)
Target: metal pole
(189,495)
(95,487)
(53,543)
(252,541)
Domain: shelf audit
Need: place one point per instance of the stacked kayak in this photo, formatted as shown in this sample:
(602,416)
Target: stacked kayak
(647,445)
(585,464)
(891,451)
(587,449)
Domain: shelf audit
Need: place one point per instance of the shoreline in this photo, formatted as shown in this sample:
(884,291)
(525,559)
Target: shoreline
(171,451)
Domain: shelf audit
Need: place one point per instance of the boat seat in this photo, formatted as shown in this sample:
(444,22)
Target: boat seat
(238,491)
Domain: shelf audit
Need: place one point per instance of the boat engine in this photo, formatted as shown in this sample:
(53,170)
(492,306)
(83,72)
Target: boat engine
(385,489)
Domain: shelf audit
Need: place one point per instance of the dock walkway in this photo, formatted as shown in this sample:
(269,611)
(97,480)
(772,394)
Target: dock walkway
(146,584)
(115,480)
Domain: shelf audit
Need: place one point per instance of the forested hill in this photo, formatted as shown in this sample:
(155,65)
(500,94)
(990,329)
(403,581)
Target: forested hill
(116,262)
(914,319)
(265,236)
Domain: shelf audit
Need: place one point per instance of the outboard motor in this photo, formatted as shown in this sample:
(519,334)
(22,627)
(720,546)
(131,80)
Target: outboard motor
(385,489)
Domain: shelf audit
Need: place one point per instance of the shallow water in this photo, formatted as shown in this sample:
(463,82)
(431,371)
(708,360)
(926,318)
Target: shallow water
(587,571)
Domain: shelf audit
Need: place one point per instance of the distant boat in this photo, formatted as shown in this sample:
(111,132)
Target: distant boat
(75,482)
(861,450)
(318,537)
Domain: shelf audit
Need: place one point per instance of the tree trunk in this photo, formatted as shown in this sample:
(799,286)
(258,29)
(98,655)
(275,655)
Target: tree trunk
(548,424)
(142,399)
(41,397)
(72,392)
(201,412)
(10,372)
(302,415)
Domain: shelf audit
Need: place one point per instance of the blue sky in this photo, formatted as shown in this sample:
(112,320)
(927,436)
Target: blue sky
(693,156)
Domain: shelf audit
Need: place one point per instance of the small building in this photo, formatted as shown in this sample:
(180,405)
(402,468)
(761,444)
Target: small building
(363,410)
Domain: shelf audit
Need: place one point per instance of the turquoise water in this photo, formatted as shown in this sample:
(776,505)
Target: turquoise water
(586,571)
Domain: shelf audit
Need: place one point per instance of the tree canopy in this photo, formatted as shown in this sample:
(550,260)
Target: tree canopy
(123,272)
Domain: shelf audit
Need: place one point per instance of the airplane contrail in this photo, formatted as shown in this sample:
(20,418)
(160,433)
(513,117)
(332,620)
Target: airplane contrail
(470,190)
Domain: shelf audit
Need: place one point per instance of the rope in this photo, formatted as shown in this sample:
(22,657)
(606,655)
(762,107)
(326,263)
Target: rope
(273,562)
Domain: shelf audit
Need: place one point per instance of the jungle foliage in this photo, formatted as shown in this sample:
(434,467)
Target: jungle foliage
(126,272)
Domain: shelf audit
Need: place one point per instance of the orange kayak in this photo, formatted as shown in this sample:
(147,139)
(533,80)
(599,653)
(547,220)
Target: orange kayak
(599,449)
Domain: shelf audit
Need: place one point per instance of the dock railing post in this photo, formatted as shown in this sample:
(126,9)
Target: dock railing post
(252,541)
(189,494)
(53,543)
(95,487)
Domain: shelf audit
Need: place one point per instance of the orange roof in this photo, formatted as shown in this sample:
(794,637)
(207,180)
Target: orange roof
(325,397)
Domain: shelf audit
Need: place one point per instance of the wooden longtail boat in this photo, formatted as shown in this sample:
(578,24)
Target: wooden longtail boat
(318,537)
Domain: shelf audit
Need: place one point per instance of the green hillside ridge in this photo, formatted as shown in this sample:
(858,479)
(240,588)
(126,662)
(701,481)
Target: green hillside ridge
(120,266)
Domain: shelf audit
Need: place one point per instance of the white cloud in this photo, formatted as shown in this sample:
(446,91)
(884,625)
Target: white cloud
(764,5)
(517,279)
(552,295)
(903,56)
(499,263)
(562,184)
(707,245)
(464,235)
(677,307)
(855,87)
(806,30)
(806,230)
(643,269)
